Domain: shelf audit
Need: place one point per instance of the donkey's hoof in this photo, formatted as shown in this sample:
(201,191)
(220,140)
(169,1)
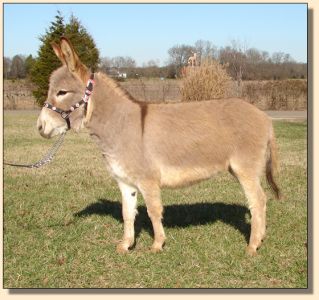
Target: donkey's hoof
(122,248)
(156,248)
(251,251)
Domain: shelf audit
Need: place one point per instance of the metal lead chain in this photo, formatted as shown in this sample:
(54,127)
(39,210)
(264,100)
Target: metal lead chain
(48,157)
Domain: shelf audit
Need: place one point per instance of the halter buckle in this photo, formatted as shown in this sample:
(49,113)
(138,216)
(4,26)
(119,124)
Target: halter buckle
(65,115)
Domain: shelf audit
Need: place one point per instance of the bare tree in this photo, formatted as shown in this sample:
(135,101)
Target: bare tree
(236,59)
(288,58)
(105,63)
(123,62)
(278,57)
(17,67)
(152,63)
(6,67)
(205,49)
(253,56)
(265,56)
(179,54)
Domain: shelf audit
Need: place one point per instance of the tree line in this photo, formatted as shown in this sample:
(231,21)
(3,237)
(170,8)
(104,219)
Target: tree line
(241,63)
(18,67)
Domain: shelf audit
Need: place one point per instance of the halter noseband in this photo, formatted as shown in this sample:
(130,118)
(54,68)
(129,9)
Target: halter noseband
(65,114)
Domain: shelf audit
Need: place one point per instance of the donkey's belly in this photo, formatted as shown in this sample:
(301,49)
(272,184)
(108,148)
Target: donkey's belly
(177,176)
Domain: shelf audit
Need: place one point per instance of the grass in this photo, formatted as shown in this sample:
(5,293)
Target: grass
(62,222)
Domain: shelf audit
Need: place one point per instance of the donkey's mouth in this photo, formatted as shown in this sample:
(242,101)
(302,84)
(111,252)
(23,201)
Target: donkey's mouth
(46,135)
(52,133)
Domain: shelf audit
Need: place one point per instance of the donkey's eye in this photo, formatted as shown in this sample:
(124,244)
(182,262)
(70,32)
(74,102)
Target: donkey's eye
(61,93)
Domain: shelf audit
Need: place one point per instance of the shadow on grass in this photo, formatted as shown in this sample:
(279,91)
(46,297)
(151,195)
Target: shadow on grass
(182,215)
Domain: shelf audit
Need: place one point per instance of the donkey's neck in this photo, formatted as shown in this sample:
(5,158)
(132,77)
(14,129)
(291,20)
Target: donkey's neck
(114,114)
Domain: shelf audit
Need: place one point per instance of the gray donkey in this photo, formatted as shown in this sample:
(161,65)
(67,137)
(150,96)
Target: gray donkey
(147,146)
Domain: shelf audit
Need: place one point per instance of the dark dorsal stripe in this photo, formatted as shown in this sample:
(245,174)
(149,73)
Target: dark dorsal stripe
(144,108)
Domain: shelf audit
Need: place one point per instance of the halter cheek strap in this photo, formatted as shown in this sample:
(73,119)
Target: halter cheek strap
(65,114)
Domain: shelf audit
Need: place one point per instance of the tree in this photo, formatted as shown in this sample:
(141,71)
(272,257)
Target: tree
(265,56)
(178,56)
(277,57)
(254,56)
(17,69)
(234,56)
(47,61)
(121,62)
(83,43)
(105,64)
(205,50)
(170,71)
(28,64)
(6,67)
(152,63)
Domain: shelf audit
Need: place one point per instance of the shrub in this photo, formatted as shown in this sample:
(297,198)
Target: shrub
(207,81)
(288,94)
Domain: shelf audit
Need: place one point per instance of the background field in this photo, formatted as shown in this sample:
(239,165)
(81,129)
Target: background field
(62,222)
(267,94)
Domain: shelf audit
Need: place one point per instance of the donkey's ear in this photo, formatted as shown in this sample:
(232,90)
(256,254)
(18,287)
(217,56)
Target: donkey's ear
(71,59)
(58,52)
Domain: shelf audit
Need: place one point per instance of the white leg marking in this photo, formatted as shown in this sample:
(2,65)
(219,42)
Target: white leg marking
(129,211)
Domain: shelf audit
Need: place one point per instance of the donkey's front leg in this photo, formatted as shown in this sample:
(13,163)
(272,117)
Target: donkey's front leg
(152,196)
(129,202)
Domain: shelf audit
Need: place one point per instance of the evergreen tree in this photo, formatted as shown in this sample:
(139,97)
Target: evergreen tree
(83,43)
(28,64)
(47,61)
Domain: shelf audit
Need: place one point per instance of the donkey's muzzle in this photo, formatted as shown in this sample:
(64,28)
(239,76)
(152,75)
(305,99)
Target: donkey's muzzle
(49,127)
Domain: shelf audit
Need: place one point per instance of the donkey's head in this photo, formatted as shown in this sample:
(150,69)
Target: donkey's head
(66,88)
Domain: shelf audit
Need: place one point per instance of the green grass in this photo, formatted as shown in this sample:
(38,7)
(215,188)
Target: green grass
(62,222)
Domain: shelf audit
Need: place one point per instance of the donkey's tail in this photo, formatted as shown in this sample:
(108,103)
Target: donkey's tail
(271,164)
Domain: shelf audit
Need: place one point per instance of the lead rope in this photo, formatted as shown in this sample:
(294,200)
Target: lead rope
(48,157)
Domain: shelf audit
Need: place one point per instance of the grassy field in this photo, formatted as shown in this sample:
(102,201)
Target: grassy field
(62,222)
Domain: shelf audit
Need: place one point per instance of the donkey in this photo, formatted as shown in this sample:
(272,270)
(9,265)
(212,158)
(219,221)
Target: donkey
(147,146)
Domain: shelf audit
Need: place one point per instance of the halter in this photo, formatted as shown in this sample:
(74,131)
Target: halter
(65,114)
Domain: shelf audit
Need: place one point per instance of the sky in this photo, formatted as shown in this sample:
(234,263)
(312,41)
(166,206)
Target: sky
(146,31)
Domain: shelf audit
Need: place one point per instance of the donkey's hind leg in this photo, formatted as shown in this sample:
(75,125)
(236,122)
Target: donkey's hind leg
(257,204)
(129,202)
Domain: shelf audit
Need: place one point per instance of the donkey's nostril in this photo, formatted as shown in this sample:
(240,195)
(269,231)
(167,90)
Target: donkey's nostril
(40,127)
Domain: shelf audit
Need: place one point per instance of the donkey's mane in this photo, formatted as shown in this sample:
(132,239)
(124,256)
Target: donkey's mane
(119,89)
